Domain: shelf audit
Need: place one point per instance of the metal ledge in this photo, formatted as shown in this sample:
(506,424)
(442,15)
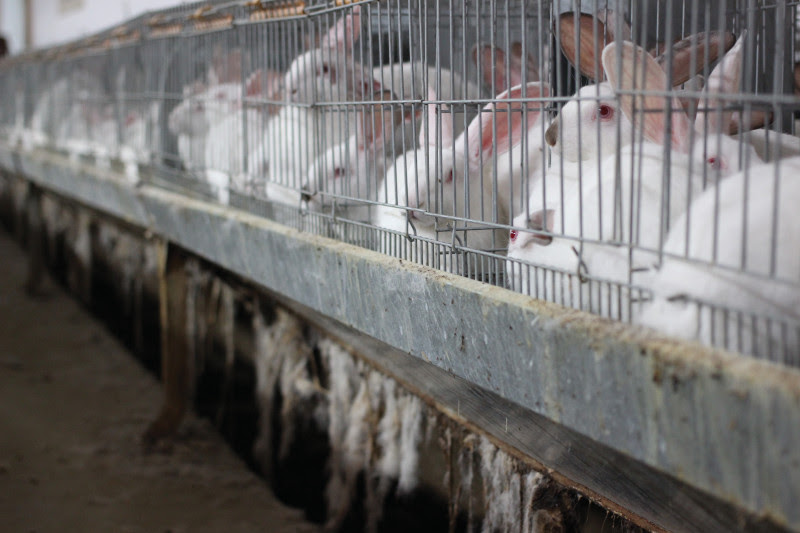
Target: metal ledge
(723,424)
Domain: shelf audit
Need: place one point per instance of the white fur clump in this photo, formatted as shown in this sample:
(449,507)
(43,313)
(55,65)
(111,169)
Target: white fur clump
(348,405)
(56,221)
(389,434)
(19,193)
(127,254)
(375,428)
(506,489)
(530,485)
(266,377)
(410,436)
(282,356)
(150,261)
(79,242)
(82,245)
(194,325)
(399,436)
(228,314)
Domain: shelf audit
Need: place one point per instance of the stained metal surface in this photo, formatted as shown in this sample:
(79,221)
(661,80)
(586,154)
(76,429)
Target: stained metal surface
(722,423)
(588,153)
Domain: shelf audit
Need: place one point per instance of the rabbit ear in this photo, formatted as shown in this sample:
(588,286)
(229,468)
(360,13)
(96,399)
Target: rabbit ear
(617,30)
(641,73)
(502,130)
(589,40)
(274,82)
(196,87)
(518,59)
(542,220)
(377,122)
(254,85)
(345,32)
(368,89)
(433,118)
(726,78)
(226,66)
(492,63)
(700,45)
(797,78)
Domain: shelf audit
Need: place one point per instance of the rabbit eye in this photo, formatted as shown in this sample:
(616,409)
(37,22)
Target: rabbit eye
(512,235)
(449,177)
(338,172)
(605,111)
(715,163)
(198,106)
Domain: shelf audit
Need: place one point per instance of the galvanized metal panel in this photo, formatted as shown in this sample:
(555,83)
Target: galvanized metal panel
(722,423)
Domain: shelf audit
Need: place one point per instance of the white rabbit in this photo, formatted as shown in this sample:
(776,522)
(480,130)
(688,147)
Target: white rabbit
(73,132)
(578,236)
(587,227)
(320,74)
(51,103)
(62,108)
(433,180)
(515,171)
(331,73)
(738,256)
(772,145)
(586,128)
(411,80)
(104,134)
(298,134)
(141,133)
(707,141)
(191,120)
(225,141)
(279,164)
(352,171)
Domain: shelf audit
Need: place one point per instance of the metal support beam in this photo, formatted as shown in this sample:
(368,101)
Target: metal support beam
(175,353)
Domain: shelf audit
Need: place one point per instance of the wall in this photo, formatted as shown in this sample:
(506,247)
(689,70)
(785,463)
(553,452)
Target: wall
(53,24)
(12,24)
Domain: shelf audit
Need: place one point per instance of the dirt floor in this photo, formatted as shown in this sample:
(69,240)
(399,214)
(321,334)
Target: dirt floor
(73,404)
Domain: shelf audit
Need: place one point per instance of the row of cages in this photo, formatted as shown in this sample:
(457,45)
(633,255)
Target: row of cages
(636,160)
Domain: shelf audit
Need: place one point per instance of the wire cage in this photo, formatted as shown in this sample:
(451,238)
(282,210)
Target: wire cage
(636,160)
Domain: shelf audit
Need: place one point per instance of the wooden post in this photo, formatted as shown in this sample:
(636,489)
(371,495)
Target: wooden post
(34,238)
(175,353)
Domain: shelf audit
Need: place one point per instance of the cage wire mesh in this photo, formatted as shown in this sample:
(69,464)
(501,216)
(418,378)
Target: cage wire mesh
(637,160)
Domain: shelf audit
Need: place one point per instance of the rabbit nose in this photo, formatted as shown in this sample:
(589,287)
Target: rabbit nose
(551,135)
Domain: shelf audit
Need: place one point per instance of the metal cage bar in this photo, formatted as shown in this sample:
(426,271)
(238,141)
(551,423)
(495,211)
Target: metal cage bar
(631,159)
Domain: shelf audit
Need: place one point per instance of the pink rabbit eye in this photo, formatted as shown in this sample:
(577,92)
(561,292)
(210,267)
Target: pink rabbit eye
(512,235)
(338,172)
(605,111)
(715,163)
(449,177)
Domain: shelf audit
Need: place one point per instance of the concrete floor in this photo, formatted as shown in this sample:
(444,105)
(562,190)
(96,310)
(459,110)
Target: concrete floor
(73,404)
